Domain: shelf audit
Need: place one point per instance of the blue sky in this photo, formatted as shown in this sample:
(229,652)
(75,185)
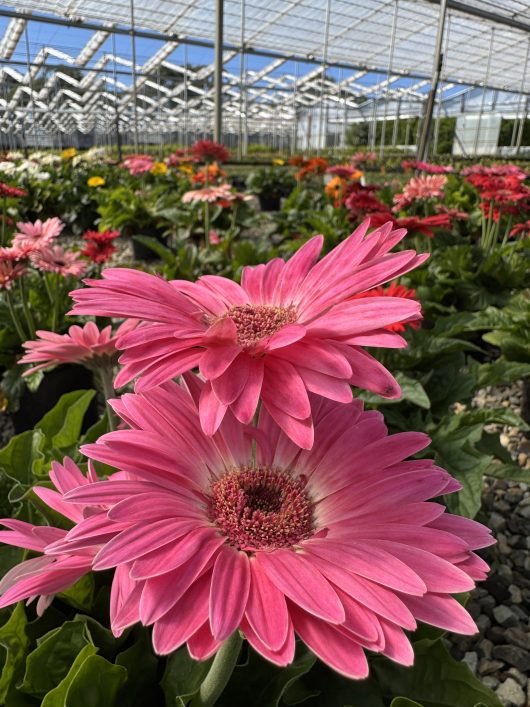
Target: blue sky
(72,39)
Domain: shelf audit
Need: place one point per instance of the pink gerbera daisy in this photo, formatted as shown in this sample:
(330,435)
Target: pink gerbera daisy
(48,574)
(37,234)
(420,189)
(289,328)
(87,345)
(57,259)
(244,530)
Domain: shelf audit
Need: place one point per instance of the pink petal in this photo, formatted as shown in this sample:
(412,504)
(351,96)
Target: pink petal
(184,619)
(330,644)
(283,656)
(211,410)
(442,611)
(229,591)
(299,579)
(266,609)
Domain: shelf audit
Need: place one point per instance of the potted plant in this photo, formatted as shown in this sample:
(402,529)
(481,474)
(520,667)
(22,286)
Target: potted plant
(270,184)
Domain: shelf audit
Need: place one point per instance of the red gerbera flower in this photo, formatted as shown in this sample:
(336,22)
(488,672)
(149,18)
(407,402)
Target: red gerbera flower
(11,192)
(210,151)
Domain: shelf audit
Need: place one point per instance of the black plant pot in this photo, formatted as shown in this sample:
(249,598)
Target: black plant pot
(63,379)
(269,202)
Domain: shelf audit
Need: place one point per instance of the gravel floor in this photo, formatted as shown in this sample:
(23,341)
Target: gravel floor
(500,653)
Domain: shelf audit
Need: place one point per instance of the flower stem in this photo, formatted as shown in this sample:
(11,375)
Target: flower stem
(104,376)
(14,317)
(27,309)
(4,217)
(219,674)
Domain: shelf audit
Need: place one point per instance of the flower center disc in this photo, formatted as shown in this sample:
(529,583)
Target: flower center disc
(261,508)
(257,322)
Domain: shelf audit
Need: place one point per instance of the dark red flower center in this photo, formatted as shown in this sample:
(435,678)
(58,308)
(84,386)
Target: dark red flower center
(255,322)
(259,508)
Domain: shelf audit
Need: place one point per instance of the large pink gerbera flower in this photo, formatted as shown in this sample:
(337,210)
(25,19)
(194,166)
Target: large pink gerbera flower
(289,328)
(244,530)
(46,575)
(87,345)
(57,259)
(37,234)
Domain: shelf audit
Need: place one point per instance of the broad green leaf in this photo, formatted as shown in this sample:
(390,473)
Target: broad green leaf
(15,641)
(96,683)
(183,677)
(81,594)
(57,696)
(22,459)
(50,662)
(142,671)
(500,372)
(404,702)
(62,425)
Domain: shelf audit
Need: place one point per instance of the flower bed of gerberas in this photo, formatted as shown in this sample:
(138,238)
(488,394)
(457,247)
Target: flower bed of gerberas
(278,497)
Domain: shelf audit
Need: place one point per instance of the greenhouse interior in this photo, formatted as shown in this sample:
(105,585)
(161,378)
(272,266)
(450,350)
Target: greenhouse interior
(265,353)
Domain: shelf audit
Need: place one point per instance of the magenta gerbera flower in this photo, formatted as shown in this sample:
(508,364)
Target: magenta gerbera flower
(243,530)
(288,329)
(88,345)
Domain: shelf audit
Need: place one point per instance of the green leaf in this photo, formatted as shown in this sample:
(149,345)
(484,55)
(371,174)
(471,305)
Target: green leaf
(57,696)
(96,430)
(81,594)
(183,677)
(62,425)
(15,641)
(50,662)
(142,670)
(404,702)
(96,683)
(22,460)
(435,679)
(500,372)
(261,683)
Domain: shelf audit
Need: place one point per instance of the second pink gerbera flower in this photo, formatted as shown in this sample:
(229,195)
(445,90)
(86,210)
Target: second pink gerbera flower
(290,328)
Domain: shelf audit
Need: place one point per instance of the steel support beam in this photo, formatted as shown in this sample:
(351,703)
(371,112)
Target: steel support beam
(218,72)
(423,145)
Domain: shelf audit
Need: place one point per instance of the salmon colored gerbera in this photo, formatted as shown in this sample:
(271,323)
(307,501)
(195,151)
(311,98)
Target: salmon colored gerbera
(289,328)
(243,530)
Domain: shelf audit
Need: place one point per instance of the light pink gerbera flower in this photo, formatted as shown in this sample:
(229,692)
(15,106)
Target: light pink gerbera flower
(87,345)
(289,328)
(46,575)
(420,189)
(57,259)
(244,530)
(223,192)
(37,234)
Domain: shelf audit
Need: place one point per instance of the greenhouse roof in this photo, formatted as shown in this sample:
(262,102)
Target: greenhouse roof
(284,56)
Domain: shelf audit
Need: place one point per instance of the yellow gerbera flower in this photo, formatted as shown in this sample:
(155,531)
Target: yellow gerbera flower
(278,162)
(69,153)
(95,181)
(158,168)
